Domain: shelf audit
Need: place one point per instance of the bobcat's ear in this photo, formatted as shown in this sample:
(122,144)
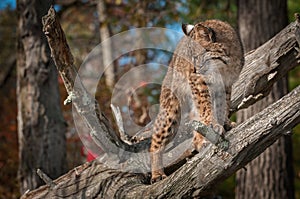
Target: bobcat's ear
(187,28)
(207,33)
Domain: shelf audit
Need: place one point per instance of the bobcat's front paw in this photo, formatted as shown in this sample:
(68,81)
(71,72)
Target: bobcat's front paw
(157,176)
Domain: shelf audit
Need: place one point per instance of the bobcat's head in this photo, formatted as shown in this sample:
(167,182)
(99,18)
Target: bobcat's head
(198,41)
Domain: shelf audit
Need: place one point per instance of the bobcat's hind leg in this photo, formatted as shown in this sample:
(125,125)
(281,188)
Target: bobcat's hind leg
(163,131)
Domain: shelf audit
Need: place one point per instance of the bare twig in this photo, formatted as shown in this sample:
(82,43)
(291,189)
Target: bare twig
(118,118)
(45,178)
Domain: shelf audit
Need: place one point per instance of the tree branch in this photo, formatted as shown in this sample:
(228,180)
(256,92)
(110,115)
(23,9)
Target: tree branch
(266,65)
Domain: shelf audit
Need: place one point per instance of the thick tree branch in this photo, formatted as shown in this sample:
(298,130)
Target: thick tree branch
(207,168)
(266,65)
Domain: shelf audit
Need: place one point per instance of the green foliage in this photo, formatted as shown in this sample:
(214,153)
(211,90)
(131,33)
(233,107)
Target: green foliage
(226,189)
(294,81)
(293,7)
(294,78)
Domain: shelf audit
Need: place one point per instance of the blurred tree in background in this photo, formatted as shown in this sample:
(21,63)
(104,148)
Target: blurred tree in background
(80,21)
(41,126)
(270,175)
(8,105)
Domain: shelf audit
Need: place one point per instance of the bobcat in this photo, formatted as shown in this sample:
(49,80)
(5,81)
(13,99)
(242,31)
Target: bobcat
(206,62)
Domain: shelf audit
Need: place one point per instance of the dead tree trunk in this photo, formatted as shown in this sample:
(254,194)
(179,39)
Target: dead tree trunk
(208,168)
(41,127)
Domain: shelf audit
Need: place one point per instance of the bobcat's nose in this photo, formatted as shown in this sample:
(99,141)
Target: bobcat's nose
(187,28)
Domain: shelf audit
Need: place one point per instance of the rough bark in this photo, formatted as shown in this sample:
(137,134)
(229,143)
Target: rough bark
(271,174)
(194,178)
(264,66)
(41,127)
